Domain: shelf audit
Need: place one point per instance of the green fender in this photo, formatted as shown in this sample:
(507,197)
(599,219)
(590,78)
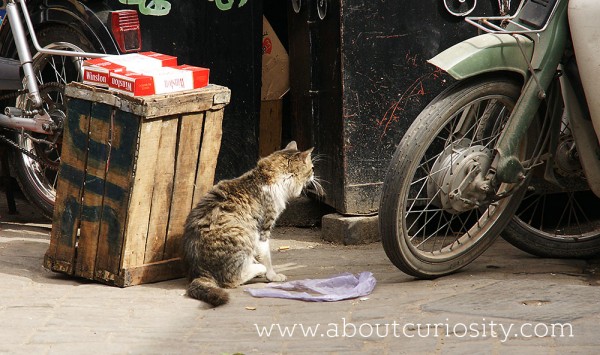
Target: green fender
(486,53)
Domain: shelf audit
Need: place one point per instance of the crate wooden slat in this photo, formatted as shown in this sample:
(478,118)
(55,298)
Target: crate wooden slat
(64,231)
(94,188)
(131,170)
(185,179)
(162,192)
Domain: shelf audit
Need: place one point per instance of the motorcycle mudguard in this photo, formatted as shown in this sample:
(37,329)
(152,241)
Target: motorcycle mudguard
(10,76)
(584,134)
(486,53)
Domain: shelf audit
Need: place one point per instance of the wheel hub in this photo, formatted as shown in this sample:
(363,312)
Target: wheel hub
(47,148)
(456,181)
(567,159)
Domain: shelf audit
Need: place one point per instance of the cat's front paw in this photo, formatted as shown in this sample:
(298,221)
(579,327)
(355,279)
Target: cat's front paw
(274,277)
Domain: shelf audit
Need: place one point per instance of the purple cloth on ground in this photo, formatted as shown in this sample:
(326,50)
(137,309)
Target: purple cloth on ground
(336,288)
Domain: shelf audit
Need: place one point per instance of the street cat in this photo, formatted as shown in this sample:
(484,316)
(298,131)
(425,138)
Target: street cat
(226,237)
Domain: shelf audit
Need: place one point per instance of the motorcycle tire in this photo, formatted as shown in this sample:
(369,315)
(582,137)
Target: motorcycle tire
(420,234)
(37,178)
(557,225)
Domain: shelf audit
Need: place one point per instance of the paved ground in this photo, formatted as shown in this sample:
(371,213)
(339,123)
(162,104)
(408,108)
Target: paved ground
(496,305)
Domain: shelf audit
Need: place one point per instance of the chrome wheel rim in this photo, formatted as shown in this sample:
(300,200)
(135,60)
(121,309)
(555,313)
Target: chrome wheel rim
(49,69)
(433,232)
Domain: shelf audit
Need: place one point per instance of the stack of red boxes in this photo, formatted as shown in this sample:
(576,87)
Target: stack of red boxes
(142,74)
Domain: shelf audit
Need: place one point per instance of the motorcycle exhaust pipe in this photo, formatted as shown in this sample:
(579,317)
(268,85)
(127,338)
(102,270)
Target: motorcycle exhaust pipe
(10,74)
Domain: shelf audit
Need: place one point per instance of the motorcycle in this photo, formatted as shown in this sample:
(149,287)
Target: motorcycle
(42,49)
(510,148)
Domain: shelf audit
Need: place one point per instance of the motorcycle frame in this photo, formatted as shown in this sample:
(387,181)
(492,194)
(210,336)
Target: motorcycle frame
(41,121)
(535,55)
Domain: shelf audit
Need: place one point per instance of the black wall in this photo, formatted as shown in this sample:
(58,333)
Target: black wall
(359,77)
(229,43)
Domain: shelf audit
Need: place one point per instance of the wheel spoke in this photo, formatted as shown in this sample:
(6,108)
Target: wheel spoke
(529,201)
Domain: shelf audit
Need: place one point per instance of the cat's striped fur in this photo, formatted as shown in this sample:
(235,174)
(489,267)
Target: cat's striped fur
(226,238)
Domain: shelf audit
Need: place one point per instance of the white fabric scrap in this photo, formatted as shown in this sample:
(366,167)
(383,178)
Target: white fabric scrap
(335,288)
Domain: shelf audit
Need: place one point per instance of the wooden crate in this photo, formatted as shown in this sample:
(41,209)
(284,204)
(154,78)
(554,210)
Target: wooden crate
(131,170)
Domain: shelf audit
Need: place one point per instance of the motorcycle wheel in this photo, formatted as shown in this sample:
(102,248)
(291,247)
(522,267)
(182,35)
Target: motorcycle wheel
(563,224)
(37,178)
(424,233)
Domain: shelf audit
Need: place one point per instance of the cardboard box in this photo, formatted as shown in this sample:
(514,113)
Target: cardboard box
(275,84)
(275,65)
(126,187)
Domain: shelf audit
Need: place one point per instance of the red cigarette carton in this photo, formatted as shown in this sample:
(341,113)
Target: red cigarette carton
(96,71)
(159,81)
(199,75)
(155,80)
(131,83)
(139,63)
(166,60)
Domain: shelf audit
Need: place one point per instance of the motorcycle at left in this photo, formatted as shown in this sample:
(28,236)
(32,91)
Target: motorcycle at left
(43,44)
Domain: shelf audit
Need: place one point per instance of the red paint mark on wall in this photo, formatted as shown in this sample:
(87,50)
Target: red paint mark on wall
(411,59)
(394,112)
(421,90)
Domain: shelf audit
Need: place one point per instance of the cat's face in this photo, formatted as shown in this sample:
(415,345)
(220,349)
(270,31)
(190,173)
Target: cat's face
(291,165)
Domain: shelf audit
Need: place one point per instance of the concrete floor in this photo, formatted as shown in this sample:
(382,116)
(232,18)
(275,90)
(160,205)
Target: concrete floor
(504,302)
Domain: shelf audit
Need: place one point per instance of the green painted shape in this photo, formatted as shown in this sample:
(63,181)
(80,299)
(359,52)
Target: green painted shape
(225,5)
(486,53)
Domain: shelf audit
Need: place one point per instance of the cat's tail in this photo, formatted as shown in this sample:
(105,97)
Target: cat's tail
(206,289)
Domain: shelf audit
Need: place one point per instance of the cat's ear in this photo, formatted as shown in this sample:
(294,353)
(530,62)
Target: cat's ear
(305,155)
(291,146)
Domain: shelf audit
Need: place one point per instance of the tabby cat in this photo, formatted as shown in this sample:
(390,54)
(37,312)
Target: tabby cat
(226,237)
